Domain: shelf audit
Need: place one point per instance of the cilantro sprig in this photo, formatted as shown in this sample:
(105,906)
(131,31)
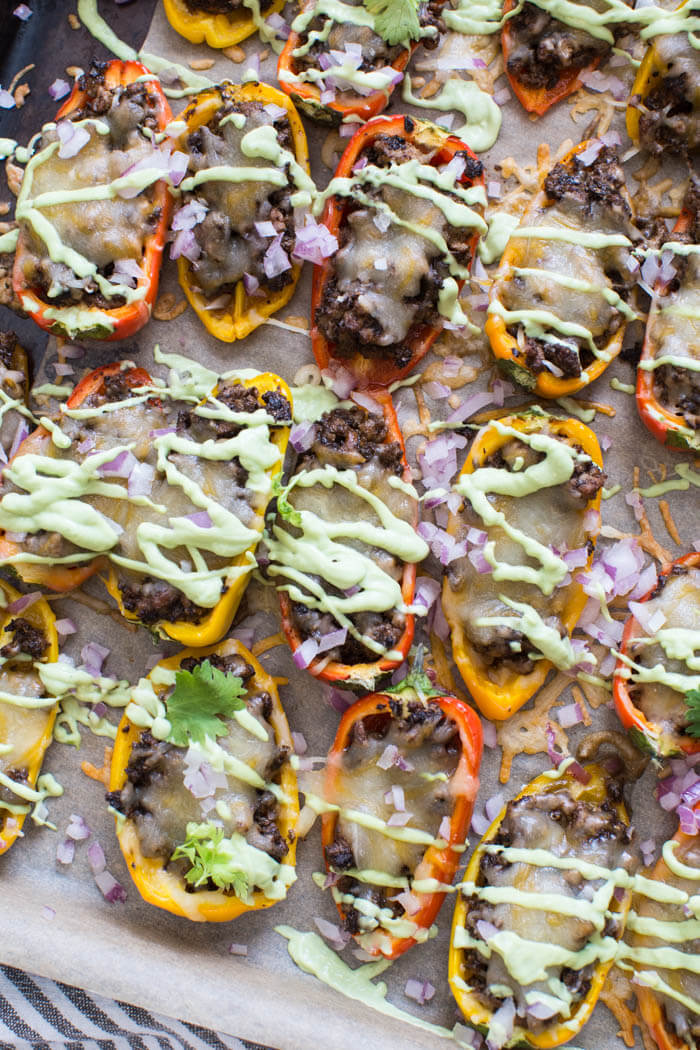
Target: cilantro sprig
(209,855)
(692,700)
(396,21)
(200,700)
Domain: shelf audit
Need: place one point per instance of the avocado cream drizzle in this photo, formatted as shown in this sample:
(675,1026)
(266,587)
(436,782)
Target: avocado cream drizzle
(482,115)
(338,13)
(52,497)
(320,551)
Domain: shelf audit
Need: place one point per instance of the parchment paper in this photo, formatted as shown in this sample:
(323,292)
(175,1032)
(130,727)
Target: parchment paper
(135,952)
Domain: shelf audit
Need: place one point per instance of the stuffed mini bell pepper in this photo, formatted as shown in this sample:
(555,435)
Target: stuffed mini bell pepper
(663,112)
(248,169)
(93,208)
(343,549)
(405,206)
(335,68)
(534,933)
(14,387)
(219,23)
(203,791)
(559,304)
(668,383)
(402,777)
(529,518)
(656,685)
(165,495)
(544,56)
(27,712)
(668,996)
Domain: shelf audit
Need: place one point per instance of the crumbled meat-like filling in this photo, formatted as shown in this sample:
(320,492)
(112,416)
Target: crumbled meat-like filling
(8,297)
(229,243)
(156,799)
(581,196)
(221,7)
(103,231)
(26,638)
(677,596)
(428,743)
(376,53)
(669,115)
(8,342)
(553,515)
(385,280)
(354,439)
(543,48)
(556,822)
(153,600)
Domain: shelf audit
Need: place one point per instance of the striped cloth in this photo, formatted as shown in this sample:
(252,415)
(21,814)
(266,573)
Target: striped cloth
(38,1014)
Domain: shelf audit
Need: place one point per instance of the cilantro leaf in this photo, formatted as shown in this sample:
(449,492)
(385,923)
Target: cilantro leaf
(209,855)
(692,700)
(396,21)
(284,507)
(200,699)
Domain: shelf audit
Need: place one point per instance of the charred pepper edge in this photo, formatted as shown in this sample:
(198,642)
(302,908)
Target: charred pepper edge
(539,100)
(41,615)
(365,675)
(474,1011)
(163,888)
(499,702)
(63,578)
(307,96)
(370,371)
(127,319)
(440,864)
(650,1007)
(651,65)
(219,31)
(666,427)
(247,312)
(503,344)
(645,733)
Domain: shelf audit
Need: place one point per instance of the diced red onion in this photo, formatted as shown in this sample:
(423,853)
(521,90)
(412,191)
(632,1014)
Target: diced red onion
(541,1011)
(486,930)
(476,557)
(177,167)
(275,260)
(189,216)
(62,369)
(72,138)
(588,155)
(420,991)
(314,243)
(93,656)
(502,1021)
(96,858)
(78,828)
(59,89)
(388,756)
(575,559)
(367,402)
(185,243)
(302,436)
(489,733)
(238,949)
(342,382)
(6,99)
(647,849)
(335,936)
(21,433)
(274,111)
(426,592)
(111,890)
(399,820)
(338,699)
(48,913)
(444,829)
(250,283)
(24,602)
(597,81)
(161,432)
(65,627)
(305,653)
(469,407)
(119,467)
(87,444)
(201,519)
(65,852)
(569,715)
(493,806)
(22,12)
(398,799)
(265,229)
(437,391)
(140,480)
(300,745)
(327,96)
(479,824)
(650,621)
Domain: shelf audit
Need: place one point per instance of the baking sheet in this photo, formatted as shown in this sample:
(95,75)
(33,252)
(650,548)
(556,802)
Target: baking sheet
(136,953)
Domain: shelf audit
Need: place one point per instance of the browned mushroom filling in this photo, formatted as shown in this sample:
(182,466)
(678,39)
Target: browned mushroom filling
(168,787)
(353,439)
(376,53)
(554,822)
(109,233)
(385,280)
(23,643)
(580,196)
(669,114)
(554,514)
(675,328)
(408,755)
(221,7)
(153,599)
(13,381)
(543,48)
(230,240)
(677,598)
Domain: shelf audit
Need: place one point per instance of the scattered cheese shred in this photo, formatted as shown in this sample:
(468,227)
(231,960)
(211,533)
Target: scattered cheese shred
(525,731)
(668,521)
(268,643)
(101,775)
(616,994)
